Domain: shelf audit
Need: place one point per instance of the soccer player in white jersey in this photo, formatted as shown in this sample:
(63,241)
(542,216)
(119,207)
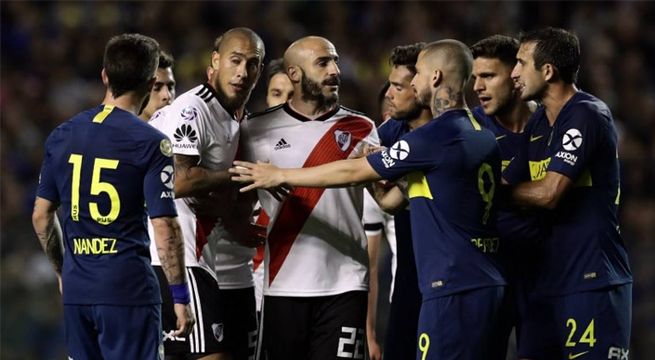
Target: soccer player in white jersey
(203,125)
(316,263)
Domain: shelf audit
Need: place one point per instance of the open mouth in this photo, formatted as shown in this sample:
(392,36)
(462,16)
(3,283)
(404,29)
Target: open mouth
(484,100)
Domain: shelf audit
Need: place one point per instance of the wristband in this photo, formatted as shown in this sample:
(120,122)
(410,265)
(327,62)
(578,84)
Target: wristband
(180,293)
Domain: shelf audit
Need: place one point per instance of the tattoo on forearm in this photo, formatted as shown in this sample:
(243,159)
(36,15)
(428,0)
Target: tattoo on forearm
(172,254)
(51,242)
(184,163)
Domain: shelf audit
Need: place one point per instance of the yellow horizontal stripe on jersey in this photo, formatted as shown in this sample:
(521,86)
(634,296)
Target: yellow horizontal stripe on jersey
(538,169)
(418,185)
(101,116)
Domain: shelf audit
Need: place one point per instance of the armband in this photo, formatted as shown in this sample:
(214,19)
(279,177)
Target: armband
(180,293)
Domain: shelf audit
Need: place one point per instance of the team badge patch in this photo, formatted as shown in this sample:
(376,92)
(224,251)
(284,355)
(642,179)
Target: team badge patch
(399,150)
(343,139)
(168,176)
(166,148)
(572,140)
(218,331)
(189,113)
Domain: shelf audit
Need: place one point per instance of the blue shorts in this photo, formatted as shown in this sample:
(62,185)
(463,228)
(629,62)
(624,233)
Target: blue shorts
(463,326)
(113,332)
(587,325)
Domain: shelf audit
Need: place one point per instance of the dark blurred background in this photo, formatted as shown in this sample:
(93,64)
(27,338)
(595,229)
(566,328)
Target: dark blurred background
(51,62)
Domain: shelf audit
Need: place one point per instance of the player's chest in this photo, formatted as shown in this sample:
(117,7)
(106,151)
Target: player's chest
(219,144)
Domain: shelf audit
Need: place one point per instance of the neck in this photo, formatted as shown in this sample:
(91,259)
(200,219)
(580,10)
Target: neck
(516,117)
(447,97)
(421,120)
(310,108)
(556,96)
(129,101)
(145,116)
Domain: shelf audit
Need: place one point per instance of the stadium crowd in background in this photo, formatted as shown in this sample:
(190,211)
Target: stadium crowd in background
(50,57)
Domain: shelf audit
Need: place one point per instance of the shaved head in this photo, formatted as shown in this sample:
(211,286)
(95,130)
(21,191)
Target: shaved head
(453,58)
(311,63)
(241,33)
(303,50)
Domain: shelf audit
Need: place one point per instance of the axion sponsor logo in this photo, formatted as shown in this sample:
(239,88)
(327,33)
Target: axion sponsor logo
(387,160)
(568,157)
(399,150)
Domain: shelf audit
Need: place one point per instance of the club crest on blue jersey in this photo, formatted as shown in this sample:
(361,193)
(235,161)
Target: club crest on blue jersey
(189,113)
(399,150)
(343,139)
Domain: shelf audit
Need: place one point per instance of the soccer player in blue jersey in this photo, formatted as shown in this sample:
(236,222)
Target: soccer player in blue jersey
(100,167)
(406,114)
(503,112)
(453,170)
(570,165)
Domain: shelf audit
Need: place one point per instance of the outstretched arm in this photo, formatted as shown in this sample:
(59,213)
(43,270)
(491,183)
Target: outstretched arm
(334,174)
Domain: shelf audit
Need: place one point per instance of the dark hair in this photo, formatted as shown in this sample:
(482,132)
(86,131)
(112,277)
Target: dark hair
(275,67)
(406,55)
(130,62)
(557,47)
(383,92)
(166,60)
(501,47)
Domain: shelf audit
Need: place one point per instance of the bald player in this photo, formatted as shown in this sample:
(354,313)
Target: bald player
(203,126)
(316,262)
(453,169)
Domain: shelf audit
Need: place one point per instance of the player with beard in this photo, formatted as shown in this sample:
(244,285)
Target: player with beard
(163,92)
(203,125)
(569,165)
(453,169)
(503,112)
(406,115)
(316,276)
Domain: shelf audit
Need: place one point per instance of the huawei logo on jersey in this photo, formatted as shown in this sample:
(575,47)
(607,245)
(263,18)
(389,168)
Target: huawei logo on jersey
(185,131)
(343,139)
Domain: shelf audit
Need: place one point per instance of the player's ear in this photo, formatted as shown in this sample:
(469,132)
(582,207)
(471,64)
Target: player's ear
(548,71)
(216,60)
(437,77)
(294,73)
(104,77)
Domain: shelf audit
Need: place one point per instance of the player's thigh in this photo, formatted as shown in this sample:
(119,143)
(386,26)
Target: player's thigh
(240,313)
(462,326)
(400,339)
(81,334)
(129,332)
(287,327)
(595,324)
(339,327)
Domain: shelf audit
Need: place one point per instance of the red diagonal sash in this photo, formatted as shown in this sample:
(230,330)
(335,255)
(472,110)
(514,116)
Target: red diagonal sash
(300,203)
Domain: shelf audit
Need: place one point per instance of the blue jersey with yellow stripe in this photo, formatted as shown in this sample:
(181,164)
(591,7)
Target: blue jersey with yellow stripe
(103,166)
(520,230)
(453,170)
(584,249)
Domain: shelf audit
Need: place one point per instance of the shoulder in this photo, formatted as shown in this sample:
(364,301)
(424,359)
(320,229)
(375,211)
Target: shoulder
(192,102)
(360,117)
(587,107)
(264,113)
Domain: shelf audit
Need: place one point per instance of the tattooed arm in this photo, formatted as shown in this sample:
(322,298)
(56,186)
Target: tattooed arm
(47,228)
(170,248)
(192,179)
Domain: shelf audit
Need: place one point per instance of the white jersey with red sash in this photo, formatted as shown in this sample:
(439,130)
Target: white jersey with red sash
(316,242)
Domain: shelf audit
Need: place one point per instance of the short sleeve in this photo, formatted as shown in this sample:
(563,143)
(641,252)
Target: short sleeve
(47,186)
(189,117)
(575,141)
(159,180)
(411,153)
(373,218)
